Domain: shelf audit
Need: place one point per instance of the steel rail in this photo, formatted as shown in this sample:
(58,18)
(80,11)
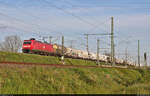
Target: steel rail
(67,66)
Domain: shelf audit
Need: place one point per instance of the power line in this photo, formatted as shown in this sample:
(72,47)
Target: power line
(79,18)
(125,3)
(69,13)
(97,25)
(24,23)
(30,14)
(78,9)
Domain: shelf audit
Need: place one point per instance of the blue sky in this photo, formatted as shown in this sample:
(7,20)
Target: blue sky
(29,18)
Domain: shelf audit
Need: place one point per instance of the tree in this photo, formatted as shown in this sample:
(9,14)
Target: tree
(11,44)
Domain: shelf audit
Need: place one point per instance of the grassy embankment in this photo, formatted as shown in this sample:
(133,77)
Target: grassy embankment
(37,79)
(32,58)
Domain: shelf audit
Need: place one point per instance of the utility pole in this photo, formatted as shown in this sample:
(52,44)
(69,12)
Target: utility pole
(62,45)
(98,51)
(139,53)
(50,39)
(126,55)
(112,42)
(62,57)
(87,45)
(87,35)
(145,59)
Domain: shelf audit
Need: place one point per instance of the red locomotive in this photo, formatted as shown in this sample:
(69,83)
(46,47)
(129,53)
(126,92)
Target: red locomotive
(43,48)
(34,46)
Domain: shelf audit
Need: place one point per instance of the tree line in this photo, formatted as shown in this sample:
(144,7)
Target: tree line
(11,44)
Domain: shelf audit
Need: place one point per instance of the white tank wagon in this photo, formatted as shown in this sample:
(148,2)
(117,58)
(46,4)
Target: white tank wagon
(93,56)
(85,55)
(130,63)
(119,61)
(80,54)
(71,52)
(68,52)
(103,58)
(75,53)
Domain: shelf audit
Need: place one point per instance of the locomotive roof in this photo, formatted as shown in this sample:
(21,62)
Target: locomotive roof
(36,41)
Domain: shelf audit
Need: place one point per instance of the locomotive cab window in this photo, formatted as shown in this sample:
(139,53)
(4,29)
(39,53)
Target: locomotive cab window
(27,42)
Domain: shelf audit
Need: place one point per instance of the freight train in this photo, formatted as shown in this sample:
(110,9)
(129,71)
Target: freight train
(37,47)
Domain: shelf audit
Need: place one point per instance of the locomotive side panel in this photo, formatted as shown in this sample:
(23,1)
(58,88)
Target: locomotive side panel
(34,46)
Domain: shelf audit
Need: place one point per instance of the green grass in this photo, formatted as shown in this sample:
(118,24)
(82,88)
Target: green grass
(19,79)
(32,58)
(51,80)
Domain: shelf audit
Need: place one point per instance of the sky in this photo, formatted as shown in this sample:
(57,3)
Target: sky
(73,18)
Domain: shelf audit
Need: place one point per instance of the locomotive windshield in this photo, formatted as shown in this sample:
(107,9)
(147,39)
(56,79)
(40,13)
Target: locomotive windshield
(27,42)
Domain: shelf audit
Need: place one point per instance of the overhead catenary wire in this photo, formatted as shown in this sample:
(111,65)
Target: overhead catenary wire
(77,17)
(70,13)
(97,26)
(31,15)
(25,25)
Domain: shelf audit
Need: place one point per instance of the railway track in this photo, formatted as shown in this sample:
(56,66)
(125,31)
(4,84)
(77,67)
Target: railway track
(63,66)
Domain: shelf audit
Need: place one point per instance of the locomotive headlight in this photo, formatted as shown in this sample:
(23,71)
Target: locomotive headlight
(26,46)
